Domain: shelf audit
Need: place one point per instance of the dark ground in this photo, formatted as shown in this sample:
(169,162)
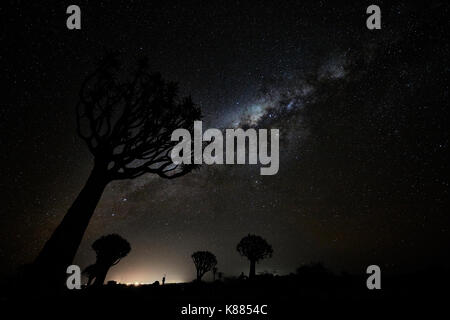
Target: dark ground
(286,297)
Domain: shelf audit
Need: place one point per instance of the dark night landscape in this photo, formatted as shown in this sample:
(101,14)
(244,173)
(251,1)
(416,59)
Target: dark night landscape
(336,200)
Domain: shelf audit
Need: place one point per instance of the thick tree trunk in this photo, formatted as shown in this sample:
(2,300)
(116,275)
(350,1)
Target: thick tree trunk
(251,275)
(59,251)
(101,275)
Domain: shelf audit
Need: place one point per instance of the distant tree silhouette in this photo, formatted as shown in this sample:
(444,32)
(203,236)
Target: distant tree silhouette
(314,274)
(127,126)
(255,249)
(109,251)
(204,261)
(312,268)
(242,276)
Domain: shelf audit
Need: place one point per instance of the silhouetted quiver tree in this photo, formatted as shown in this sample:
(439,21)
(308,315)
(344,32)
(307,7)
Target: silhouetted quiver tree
(204,261)
(109,251)
(127,125)
(255,249)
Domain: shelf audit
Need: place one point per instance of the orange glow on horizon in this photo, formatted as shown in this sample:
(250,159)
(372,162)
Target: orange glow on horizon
(136,280)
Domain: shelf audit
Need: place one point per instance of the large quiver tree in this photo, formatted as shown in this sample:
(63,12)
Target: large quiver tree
(127,124)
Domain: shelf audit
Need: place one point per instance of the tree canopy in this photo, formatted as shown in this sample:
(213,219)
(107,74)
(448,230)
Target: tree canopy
(111,248)
(127,122)
(204,261)
(254,247)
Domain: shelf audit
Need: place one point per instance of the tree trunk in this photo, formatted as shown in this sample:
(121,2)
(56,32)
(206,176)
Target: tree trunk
(251,275)
(101,275)
(59,251)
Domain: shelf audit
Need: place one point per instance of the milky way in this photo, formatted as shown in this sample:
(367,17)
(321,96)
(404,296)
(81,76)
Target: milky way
(288,95)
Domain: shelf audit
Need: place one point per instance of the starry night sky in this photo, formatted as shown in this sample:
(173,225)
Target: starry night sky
(363,119)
